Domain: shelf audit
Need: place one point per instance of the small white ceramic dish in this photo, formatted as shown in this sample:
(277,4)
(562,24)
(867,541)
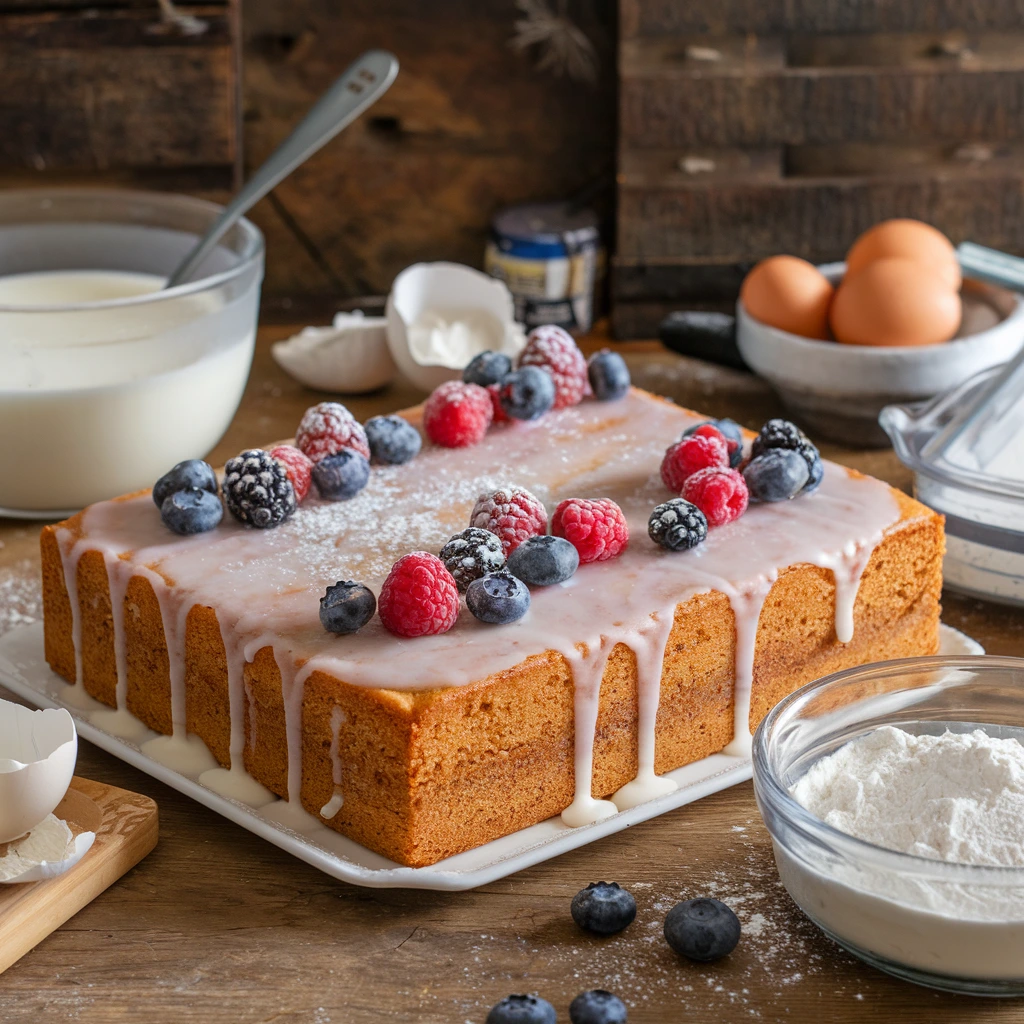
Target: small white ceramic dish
(839,390)
(23,669)
(351,356)
(455,292)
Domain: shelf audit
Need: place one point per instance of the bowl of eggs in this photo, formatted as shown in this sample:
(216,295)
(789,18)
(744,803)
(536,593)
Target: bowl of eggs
(895,322)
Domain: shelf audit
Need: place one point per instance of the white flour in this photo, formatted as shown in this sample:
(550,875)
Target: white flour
(954,797)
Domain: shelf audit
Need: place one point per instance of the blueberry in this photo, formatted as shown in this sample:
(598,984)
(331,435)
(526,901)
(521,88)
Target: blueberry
(608,375)
(522,1010)
(471,554)
(779,433)
(677,525)
(597,1007)
(543,561)
(731,431)
(777,474)
(817,468)
(603,908)
(527,393)
(190,473)
(192,510)
(702,929)
(392,439)
(341,476)
(346,607)
(498,598)
(487,368)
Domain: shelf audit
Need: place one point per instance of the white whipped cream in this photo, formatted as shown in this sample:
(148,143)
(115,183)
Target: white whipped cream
(452,337)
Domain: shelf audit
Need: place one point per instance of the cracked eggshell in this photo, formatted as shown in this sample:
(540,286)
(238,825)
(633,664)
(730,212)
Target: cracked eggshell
(448,287)
(38,750)
(350,357)
(49,850)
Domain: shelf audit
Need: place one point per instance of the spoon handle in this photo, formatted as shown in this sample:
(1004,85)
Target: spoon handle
(358,88)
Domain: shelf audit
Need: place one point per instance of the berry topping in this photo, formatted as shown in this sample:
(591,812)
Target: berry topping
(472,554)
(817,468)
(691,455)
(779,433)
(703,929)
(596,527)
(457,415)
(299,468)
(522,1010)
(513,513)
(419,597)
(192,510)
(341,476)
(487,368)
(257,489)
(597,1007)
(392,440)
(608,375)
(729,430)
(500,416)
(554,350)
(346,607)
(603,908)
(721,494)
(544,560)
(190,473)
(498,598)
(326,429)
(526,394)
(677,525)
(777,474)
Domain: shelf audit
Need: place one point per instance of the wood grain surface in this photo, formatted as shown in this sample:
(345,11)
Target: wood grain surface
(218,927)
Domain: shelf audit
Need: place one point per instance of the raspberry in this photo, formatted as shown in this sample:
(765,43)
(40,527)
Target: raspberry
(513,513)
(457,415)
(297,466)
(257,489)
(694,453)
(554,350)
(720,493)
(595,527)
(327,428)
(500,416)
(419,597)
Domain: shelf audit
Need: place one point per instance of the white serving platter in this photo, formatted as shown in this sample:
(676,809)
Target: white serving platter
(24,671)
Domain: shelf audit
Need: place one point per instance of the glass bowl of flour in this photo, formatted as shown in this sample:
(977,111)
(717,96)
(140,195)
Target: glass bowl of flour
(106,381)
(894,796)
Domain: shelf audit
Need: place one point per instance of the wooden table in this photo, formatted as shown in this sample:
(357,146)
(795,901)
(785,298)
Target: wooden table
(218,926)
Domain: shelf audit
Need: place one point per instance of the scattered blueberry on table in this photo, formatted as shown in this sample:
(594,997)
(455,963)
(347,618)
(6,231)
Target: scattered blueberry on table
(520,1009)
(603,908)
(598,1007)
(703,929)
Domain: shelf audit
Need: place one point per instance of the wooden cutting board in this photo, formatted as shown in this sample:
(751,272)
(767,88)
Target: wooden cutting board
(125,824)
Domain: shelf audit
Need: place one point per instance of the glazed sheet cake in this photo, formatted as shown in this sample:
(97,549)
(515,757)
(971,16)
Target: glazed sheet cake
(422,748)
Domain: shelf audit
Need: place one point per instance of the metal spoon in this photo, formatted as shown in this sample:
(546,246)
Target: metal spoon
(358,88)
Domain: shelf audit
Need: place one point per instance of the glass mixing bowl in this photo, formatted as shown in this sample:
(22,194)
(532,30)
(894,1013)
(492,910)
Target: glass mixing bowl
(951,926)
(101,397)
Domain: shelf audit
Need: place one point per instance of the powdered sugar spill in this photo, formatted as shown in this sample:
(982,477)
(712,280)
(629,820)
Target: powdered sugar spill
(21,597)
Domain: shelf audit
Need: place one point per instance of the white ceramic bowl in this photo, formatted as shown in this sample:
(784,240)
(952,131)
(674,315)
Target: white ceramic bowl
(449,288)
(839,390)
(104,397)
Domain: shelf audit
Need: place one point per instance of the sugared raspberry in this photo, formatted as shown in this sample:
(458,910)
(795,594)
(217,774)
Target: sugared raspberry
(721,494)
(419,597)
(327,428)
(691,455)
(513,513)
(500,416)
(457,415)
(596,527)
(554,350)
(298,467)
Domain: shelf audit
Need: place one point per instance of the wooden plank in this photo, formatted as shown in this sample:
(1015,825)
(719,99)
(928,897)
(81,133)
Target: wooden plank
(811,217)
(870,159)
(639,167)
(671,17)
(953,49)
(126,830)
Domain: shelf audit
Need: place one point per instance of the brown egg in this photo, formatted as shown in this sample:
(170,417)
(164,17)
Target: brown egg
(895,302)
(906,239)
(788,293)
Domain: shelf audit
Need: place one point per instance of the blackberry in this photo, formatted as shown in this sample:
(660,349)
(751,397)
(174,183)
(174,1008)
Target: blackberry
(487,368)
(522,1010)
(498,598)
(603,908)
(544,560)
(779,433)
(527,394)
(257,489)
(472,554)
(597,1007)
(608,375)
(392,439)
(190,473)
(678,525)
(702,929)
(346,607)
(341,476)
(777,474)
(191,510)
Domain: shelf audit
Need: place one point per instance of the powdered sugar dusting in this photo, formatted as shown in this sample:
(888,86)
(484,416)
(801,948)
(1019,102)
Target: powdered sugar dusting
(21,596)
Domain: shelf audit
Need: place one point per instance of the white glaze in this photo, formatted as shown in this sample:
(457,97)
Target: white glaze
(266,585)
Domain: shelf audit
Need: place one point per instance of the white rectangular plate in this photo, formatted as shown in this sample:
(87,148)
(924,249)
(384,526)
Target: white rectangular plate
(24,671)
